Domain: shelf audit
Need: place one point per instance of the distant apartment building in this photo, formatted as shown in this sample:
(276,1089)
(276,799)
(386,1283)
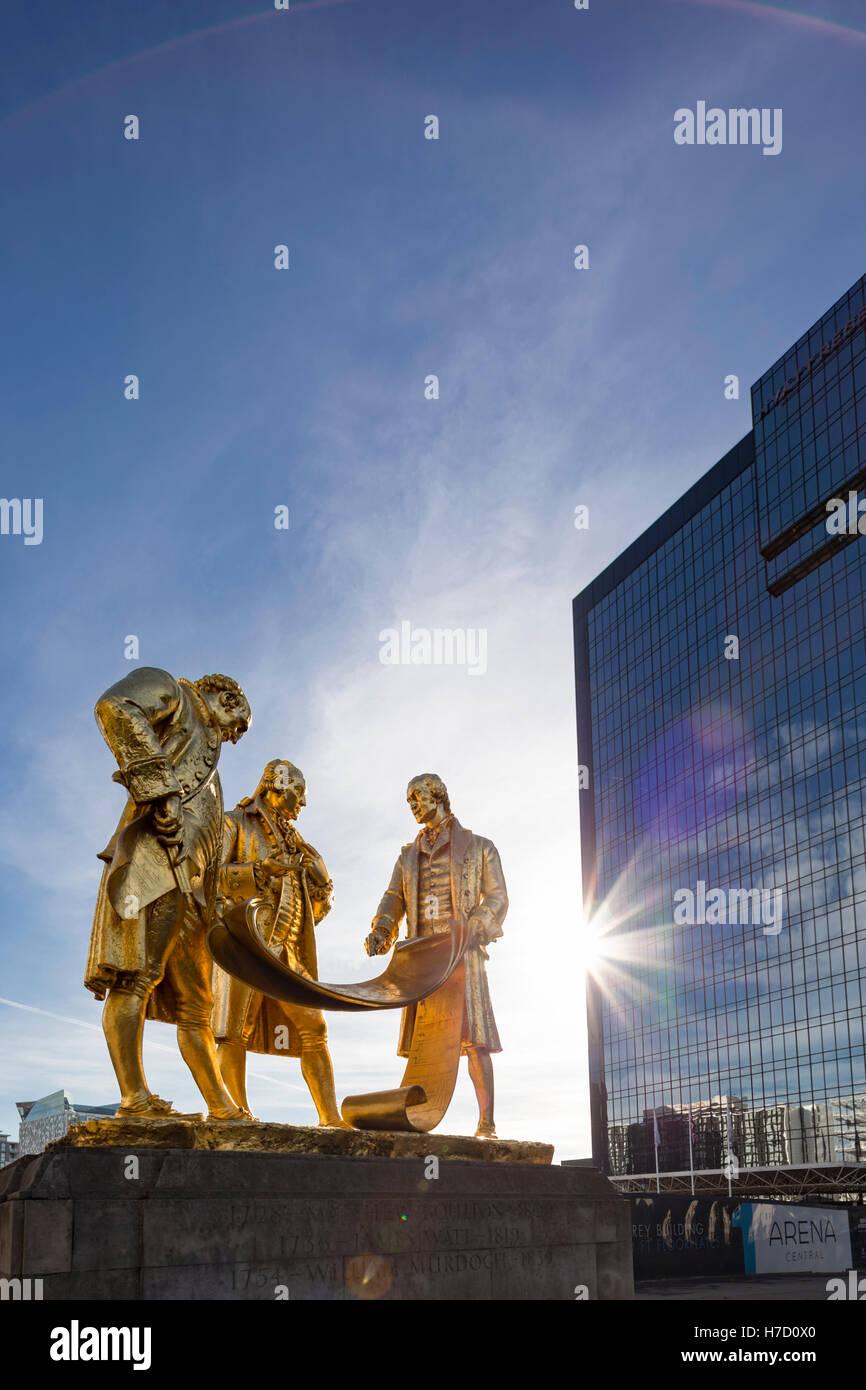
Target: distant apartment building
(49,1118)
(8,1150)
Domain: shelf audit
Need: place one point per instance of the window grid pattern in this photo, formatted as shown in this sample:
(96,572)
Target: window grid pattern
(742,774)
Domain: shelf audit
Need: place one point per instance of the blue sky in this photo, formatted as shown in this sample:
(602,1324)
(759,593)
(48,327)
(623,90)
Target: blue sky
(306,388)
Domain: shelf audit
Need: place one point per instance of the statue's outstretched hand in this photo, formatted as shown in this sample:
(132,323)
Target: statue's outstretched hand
(477,933)
(377,943)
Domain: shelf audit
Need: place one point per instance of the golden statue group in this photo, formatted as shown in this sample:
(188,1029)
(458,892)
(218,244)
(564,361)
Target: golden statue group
(187,885)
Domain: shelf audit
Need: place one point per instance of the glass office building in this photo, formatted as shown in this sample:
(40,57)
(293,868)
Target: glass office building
(721,701)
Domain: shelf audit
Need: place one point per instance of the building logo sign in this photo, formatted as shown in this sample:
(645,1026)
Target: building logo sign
(828,350)
(779,1238)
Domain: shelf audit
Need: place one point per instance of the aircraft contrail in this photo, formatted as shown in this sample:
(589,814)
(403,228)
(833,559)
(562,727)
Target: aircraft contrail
(160,1047)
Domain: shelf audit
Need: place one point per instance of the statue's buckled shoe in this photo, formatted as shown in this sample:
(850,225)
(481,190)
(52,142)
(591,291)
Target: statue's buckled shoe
(154,1108)
(240,1117)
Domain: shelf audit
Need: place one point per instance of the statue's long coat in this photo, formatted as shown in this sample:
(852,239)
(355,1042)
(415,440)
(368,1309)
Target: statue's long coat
(165,741)
(477,892)
(247,840)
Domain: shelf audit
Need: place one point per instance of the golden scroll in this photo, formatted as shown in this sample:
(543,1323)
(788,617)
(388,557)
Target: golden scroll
(424,1094)
(417,968)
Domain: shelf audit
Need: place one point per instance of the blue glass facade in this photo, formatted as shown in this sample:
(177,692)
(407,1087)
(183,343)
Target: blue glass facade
(721,693)
(809,413)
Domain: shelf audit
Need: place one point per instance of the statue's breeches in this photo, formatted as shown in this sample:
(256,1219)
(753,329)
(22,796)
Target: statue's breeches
(186,987)
(176,976)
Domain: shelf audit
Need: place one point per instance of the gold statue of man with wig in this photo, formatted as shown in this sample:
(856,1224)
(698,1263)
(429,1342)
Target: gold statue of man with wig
(158,896)
(265,857)
(449,872)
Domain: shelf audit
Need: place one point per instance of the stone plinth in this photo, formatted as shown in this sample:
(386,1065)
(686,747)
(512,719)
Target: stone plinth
(200,1220)
(287,1139)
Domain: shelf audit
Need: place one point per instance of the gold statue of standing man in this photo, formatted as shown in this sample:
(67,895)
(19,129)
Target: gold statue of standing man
(148,948)
(447,872)
(265,857)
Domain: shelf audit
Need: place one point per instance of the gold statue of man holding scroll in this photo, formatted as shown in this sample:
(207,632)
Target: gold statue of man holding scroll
(447,872)
(265,857)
